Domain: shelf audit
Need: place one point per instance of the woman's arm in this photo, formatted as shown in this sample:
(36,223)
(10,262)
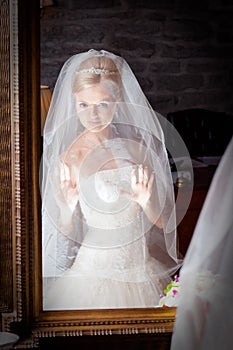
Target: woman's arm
(69,186)
(143,194)
(65,191)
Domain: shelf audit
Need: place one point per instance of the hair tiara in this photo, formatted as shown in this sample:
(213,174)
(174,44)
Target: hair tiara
(94,70)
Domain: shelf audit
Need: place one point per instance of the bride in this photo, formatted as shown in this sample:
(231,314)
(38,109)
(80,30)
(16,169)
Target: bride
(109,235)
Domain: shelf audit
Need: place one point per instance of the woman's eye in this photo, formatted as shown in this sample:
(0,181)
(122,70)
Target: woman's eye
(103,105)
(83,105)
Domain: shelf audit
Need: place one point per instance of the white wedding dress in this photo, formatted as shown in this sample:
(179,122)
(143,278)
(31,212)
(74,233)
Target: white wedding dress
(113,267)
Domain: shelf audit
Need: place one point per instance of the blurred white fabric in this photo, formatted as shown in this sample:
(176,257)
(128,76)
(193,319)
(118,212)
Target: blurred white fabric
(204,318)
(7,340)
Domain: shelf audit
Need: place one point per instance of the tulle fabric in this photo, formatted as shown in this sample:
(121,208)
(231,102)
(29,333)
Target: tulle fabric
(133,256)
(106,278)
(204,315)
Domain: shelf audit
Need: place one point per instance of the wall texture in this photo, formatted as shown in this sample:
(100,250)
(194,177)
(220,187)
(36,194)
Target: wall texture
(180,51)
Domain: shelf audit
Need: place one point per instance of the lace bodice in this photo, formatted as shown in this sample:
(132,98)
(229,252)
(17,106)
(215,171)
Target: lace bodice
(114,223)
(110,213)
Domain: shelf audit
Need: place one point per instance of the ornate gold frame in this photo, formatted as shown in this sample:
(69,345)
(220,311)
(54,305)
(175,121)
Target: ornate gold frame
(20,268)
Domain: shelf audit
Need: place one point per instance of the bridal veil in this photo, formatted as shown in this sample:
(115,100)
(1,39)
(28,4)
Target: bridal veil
(137,138)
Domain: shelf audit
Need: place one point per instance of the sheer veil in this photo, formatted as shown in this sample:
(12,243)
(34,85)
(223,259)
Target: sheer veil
(136,138)
(204,315)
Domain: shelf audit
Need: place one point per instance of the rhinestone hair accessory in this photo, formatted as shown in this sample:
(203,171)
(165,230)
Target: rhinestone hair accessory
(94,70)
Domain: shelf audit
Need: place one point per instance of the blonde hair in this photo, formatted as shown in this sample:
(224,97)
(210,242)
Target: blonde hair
(98,70)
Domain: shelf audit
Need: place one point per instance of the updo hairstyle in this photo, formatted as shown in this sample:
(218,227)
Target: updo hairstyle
(105,73)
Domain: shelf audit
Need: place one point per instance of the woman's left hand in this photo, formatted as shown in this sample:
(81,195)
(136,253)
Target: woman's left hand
(141,185)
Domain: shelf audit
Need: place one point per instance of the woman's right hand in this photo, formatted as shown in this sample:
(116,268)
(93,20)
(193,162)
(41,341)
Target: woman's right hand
(68,186)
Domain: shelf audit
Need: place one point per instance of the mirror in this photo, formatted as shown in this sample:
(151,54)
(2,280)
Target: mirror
(21,309)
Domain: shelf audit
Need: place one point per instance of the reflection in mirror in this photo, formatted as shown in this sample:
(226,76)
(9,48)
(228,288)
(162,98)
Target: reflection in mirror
(108,214)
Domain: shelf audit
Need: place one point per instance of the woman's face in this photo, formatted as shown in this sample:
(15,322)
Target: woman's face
(95,107)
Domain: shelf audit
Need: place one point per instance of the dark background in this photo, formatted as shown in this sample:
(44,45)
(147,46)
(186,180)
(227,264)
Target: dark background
(181,51)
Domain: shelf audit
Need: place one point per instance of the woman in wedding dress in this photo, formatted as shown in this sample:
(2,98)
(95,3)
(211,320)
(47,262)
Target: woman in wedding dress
(109,230)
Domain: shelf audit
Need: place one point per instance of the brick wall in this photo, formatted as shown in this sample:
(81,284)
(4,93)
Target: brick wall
(179,50)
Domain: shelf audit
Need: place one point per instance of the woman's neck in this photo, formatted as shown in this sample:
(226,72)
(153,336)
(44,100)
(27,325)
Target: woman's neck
(100,136)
